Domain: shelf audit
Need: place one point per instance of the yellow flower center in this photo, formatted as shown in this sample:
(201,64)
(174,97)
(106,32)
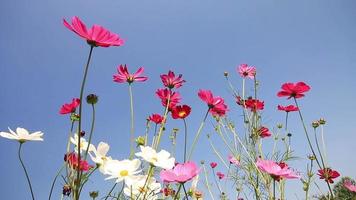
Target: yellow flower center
(154,159)
(182,113)
(124,173)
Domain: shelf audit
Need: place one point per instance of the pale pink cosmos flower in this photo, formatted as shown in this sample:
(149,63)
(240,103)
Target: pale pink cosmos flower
(96,36)
(181,173)
(233,160)
(246,71)
(351,187)
(123,75)
(275,170)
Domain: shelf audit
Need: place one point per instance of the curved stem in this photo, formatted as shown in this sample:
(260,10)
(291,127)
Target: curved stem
(132,129)
(109,194)
(55,179)
(76,194)
(86,180)
(177,193)
(185,140)
(24,169)
(91,131)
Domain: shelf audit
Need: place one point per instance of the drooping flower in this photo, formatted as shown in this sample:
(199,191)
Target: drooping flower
(156,118)
(98,155)
(142,188)
(180,112)
(220,175)
(123,75)
(166,94)
(217,106)
(264,132)
(351,187)
(72,160)
(96,36)
(161,159)
(171,81)
(213,164)
(181,173)
(83,144)
(275,170)
(246,71)
(22,135)
(289,108)
(328,174)
(233,160)
(69,107)
(254,104)
(293,90)
(122,170)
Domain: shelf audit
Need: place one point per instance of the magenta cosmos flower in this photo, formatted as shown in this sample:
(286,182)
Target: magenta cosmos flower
(233,160)
(293,90)
(277,171)
(96,36)
(351,187)
(123,75)
(220,175)
(166,94)
(181,173)
(264,132)
(290,108)
(69,107)
(216,104)
(171,81)
(246,71)
(156,118)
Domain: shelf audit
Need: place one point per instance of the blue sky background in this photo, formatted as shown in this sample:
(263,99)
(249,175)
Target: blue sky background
(41,65)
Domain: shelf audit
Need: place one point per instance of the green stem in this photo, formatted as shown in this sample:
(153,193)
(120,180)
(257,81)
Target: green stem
(76,191)
(207,182)
(132,130)
(274,189)
(185,191)
(185,140)
(323,143)
(150,170)
(163,124)
(86,180)
(24,169)
(318,148)
(287,121)
(55,179)
(109,193)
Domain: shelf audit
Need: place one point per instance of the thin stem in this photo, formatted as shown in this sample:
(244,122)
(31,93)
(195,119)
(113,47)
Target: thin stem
(274,189)
(207,182)
(323,143)
(287,121)
(132,130)
(163,124)
(91,131)
(87,178)
(55,179)
(109,193)
(121,190)
(318,148)
(177,193)
(76,194)
(150,170)
(197,135)
(24,169)
(185,191)
(216,182)
(185,140)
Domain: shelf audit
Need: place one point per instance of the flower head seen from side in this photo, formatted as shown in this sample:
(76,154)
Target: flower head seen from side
(142,187)
(233,160)
(293,90)
(122,170)
(99,157)
(166,96)
(83,144)
(156,118)
(123,75)
(217,106)
(171,81)
(254,104)
(69,107)
(277,171)
(72,160)
(161,159)
(181,173)
(213,164)
(246,71)
(96,36)
(220,175)
(289,108)
(348,185)
(264,132)
(22,135)
(328,174)
(180,112)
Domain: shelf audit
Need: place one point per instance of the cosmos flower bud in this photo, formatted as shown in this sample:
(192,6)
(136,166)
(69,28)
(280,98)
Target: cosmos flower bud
(140,141)
(92,99)
(315,124)
(311,157)
(289,134)
(279,126)
(226,74)
(82,133)
(322,121)
(94,194)
(66,190)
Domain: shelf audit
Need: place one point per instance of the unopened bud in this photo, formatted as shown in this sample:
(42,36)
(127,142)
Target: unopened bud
(94,194)
(140,141)
(66,190)
(92,99)
(315,124)
(322,121)
(226,74)
(82,133)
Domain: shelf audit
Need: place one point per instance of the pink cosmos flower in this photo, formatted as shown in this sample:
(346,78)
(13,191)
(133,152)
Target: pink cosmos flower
(156,118)
(69,107)
(264,132)
(216,104)
(72,160)
(295,90)
(254,104)
(165,94)
(290,108)
(275,170)
(220,175)
(351,187)
(233,160)
(247,71)
(213,164)
(181,173)
(124,76)
(96,36)
(171,81)
(328,174)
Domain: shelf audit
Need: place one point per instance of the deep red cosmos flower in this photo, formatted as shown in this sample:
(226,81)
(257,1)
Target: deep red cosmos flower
(213,164)
(69,107)
(264,132)
(254,104)
(216,104)
(123,75)
(294,90)
(72,160)
(220,175)
(171,81)
(96,36)
(328,174)
(165,94)
(290,108)
(180,112)
(156,118)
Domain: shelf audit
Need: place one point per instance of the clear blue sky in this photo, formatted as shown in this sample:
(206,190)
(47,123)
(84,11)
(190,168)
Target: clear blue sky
(41,65)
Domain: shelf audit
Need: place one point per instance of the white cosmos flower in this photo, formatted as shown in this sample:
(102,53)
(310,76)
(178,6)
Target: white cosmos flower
(99,156)
(161,159)
(83,144)
(137,189)
(22,135)
(122,170)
